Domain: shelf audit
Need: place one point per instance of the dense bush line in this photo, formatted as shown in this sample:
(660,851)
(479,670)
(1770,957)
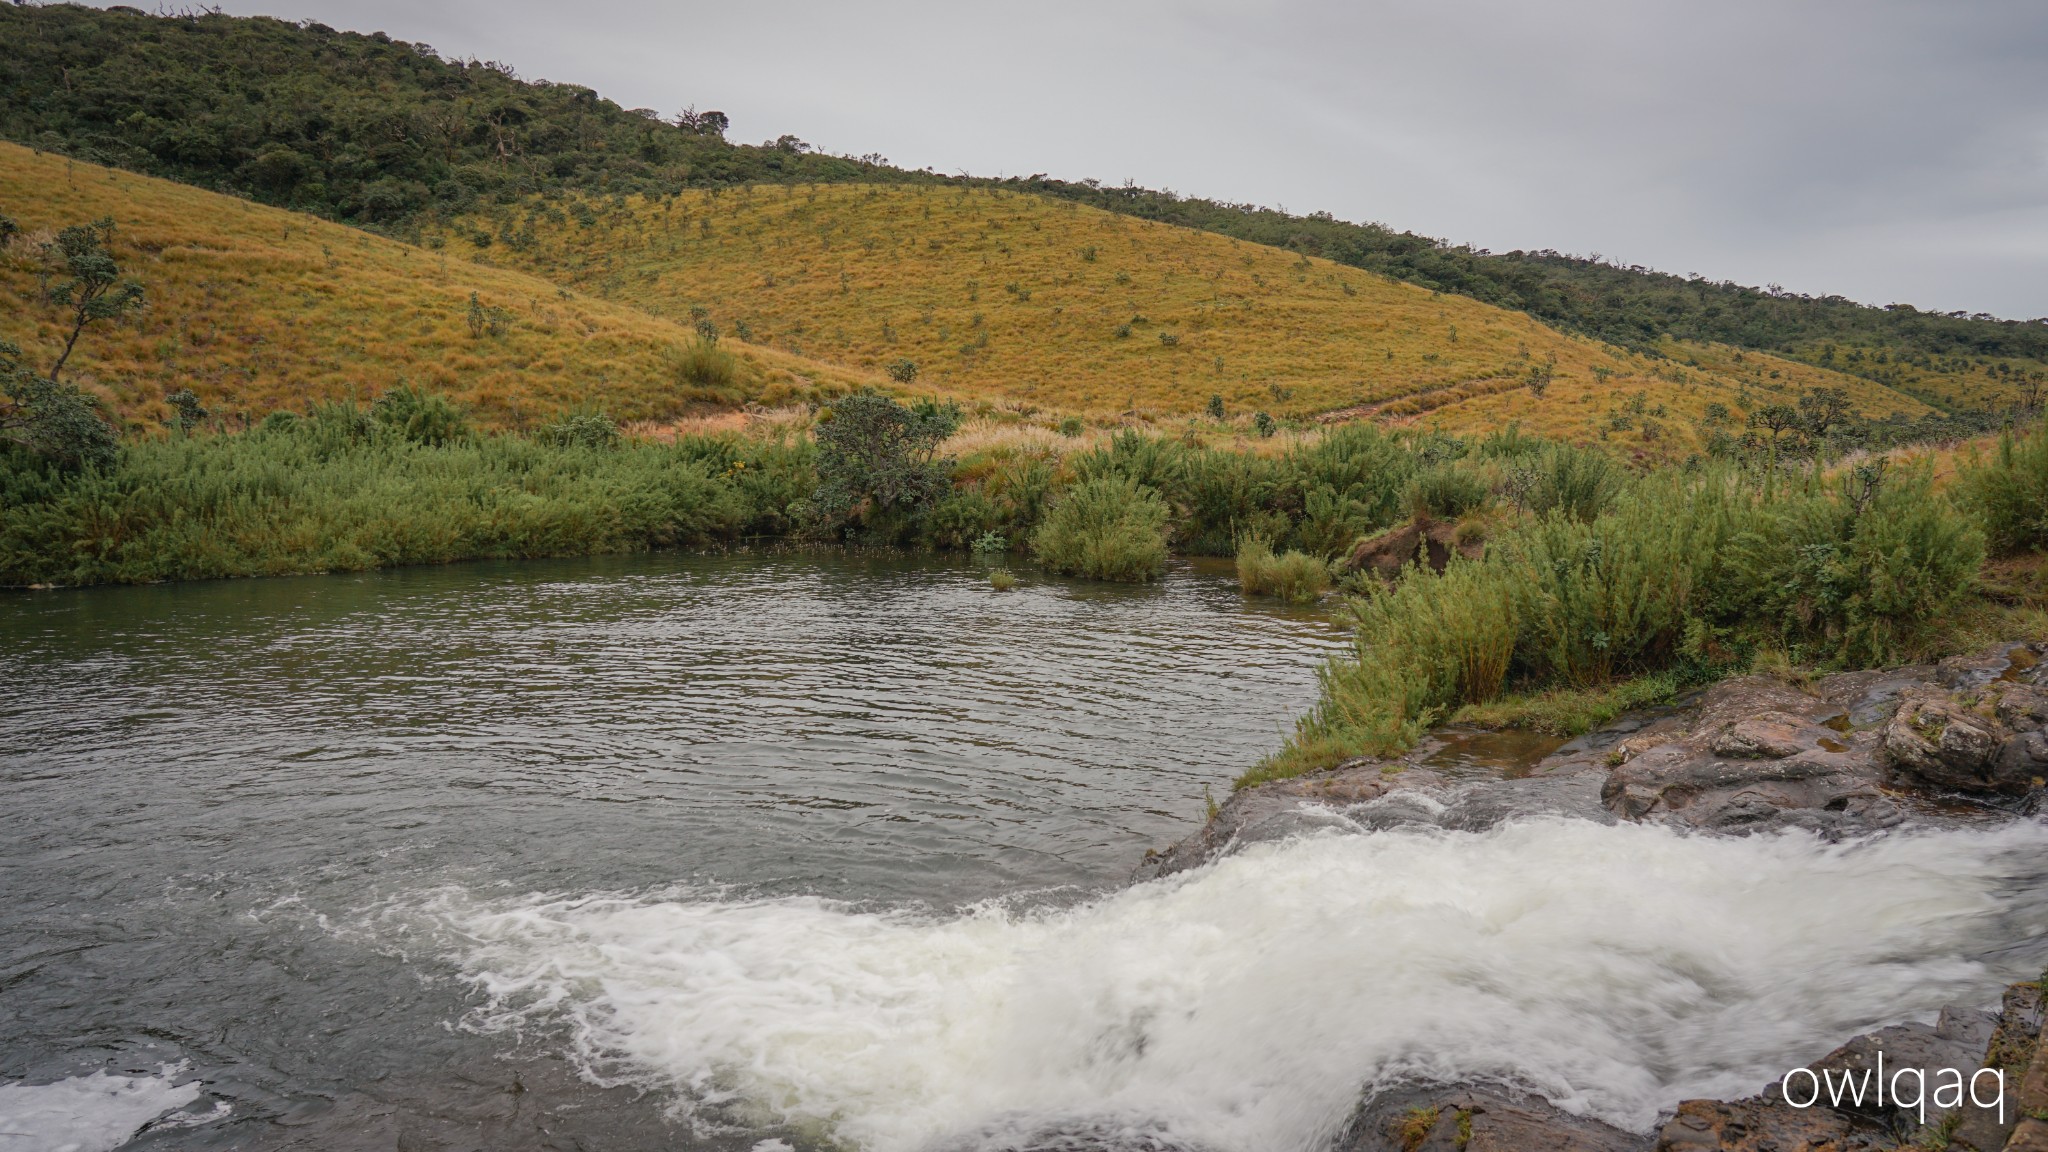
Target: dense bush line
(340,490)
(1690,573)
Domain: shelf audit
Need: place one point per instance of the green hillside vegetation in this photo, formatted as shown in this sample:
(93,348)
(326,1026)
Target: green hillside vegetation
(254,309)
(374,131)
(991,293)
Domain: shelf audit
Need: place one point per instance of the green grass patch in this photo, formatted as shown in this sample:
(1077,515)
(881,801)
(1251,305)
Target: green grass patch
(1295,577)
(1572,711)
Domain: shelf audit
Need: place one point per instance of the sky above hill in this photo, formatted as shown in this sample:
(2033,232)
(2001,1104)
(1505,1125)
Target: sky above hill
(1885,150)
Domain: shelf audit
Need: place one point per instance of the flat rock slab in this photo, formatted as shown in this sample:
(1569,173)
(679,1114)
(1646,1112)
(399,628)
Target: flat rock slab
(1451,1119)
(1964,741)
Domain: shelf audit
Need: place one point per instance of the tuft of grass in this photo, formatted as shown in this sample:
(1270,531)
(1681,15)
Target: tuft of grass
(1111,528)
(1571,711)
(708,371)
(1446,492)
(1295,577)
(1002,579)
(1415,1127)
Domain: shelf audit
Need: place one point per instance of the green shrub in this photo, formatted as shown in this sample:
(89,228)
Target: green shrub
(1020,485)
(1002,579)
(1854,572)
(1071,426)
(1575,482)
(420,416)
(960,518)
(1446,491)
(1153,461)
(1614,595)
(2009,493)
(1291,576)
(1429,644)
(1110,528)
(1223,497)
(1351,483)
(56,421)
(707,371)
(580,429)
(878,465)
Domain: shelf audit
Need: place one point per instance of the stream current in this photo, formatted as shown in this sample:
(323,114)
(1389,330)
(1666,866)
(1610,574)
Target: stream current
(775,851)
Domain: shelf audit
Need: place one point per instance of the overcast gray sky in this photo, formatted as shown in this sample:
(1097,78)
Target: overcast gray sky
(1886,150)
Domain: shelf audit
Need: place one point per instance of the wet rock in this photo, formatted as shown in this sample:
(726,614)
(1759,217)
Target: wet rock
(1844,755)
(1288,808)
(2010,663)
(1756,754)
(1769,736)
(1853,1117)
(1073,1136)
(1448,1119)
(1936,740)
(1957,1042)
(1763,1126)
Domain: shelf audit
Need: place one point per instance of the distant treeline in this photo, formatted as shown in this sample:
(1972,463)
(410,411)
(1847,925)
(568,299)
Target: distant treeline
(381,133)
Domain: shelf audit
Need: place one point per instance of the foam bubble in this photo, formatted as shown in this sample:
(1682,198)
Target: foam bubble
(1613,969)
(86,1113)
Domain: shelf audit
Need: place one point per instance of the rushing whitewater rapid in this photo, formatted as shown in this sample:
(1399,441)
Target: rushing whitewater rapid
(1613,969)
(834,848)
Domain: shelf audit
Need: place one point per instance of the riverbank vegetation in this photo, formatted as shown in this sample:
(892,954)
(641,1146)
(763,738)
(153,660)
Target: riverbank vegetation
(1677,577)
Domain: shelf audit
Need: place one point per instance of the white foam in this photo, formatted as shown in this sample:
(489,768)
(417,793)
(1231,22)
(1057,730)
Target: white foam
(1615,970)
(93,1113)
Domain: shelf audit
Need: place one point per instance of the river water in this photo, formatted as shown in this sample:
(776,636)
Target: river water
(773,852)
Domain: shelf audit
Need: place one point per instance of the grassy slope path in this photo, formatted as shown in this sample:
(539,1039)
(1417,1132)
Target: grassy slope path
(1039,301)
(257,308)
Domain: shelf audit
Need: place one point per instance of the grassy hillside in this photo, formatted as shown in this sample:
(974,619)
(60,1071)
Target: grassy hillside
(372,130)
(255,308)
(1003,294)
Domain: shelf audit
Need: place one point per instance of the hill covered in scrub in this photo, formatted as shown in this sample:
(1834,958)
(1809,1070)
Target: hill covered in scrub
(996,293)
(256,309)
(378,132)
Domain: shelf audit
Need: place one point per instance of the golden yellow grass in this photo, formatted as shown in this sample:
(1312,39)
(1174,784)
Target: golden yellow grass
(1005,294)
(257,309)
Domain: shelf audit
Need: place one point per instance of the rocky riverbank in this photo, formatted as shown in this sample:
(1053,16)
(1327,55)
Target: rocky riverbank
(1964,741)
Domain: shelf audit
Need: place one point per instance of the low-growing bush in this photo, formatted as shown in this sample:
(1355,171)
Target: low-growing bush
(2009,493)
(1295,577)
(580,429)
(1446,492)
(707,371)
(1855,573)
(1684,575)
(1110,528)
(1575,482)
(1432,642)
(420,416)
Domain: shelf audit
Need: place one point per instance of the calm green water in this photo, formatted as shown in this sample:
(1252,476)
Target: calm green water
(214,791)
